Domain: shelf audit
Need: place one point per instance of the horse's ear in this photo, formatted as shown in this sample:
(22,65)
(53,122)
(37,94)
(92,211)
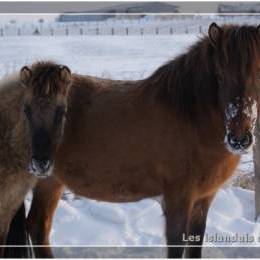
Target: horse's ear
(65,74)
(258,28)
(214,34)
(25,75)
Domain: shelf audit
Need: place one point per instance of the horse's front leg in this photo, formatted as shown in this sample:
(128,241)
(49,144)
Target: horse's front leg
(197,227)
(177,214)
(46,196)
(13,189)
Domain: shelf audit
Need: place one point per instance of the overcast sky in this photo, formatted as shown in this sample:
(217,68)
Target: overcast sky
(183,7)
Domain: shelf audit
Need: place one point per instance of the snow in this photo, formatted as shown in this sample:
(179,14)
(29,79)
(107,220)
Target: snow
(85,222)
(80,221)
(129,57)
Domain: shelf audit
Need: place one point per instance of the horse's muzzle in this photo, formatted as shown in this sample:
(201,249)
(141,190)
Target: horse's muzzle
(40,168)
(239,145)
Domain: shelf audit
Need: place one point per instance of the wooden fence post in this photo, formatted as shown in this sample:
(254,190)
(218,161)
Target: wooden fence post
(97,31)
(171,31)
(256,152)
(141,31)
(126,31)
(112,31)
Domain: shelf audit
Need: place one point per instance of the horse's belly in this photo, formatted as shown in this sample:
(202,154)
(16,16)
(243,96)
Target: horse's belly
(112,183)
(114,193)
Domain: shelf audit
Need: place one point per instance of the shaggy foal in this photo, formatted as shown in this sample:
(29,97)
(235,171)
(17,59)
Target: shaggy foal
(16,150)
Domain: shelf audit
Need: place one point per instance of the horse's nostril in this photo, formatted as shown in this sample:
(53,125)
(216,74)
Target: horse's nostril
(41,164)
(232,139)
(246,140)
(45,163)
(240,143)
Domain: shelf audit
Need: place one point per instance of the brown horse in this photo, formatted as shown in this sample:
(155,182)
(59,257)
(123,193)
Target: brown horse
(15,155)
(179,133)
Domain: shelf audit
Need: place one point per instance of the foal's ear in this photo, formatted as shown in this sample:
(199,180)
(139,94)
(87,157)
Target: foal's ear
(65,74)
(214,34)
(25,75)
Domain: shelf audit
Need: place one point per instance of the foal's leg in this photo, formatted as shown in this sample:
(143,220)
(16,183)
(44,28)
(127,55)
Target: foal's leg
(198,226)
(13,188)
(177,213)
(4,227)
(45,199)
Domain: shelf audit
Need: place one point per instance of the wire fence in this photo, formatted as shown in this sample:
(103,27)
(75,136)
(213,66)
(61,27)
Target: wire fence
(125,27)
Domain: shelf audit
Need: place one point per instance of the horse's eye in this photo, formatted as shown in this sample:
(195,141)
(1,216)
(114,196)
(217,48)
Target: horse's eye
(258,74)
(220,82)
(27,111)
(60,112)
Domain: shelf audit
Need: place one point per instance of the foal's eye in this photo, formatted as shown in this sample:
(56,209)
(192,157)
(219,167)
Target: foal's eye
(258,74)
(220,82)
(219,79)
(27,110)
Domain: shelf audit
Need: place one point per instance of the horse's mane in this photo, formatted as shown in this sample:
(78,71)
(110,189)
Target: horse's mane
(189,82)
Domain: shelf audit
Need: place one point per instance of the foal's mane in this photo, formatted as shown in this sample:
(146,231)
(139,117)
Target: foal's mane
(189,83)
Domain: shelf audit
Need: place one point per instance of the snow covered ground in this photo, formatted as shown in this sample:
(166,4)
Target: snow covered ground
(88,222)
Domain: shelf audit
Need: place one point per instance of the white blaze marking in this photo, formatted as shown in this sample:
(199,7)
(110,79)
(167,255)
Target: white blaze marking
(231,111)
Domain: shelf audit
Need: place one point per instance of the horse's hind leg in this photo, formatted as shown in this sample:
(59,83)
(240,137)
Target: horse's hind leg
(177,214)
(46,196)
(198,226)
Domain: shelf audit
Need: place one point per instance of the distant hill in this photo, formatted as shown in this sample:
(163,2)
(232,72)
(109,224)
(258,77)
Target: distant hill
(239,8)
(130,8)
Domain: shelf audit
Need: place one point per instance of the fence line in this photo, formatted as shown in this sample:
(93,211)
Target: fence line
(125,27)
(107,31)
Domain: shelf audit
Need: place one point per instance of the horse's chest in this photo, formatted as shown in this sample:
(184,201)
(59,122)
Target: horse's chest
(216,176)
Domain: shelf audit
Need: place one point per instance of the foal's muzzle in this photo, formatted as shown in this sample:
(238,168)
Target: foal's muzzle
(239,145)
(40,168)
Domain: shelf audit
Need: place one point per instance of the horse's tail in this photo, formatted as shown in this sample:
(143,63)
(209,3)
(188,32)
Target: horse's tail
(18,235)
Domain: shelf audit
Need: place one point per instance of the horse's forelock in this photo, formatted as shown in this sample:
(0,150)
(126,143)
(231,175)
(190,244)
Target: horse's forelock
(241,46)
(46,79)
